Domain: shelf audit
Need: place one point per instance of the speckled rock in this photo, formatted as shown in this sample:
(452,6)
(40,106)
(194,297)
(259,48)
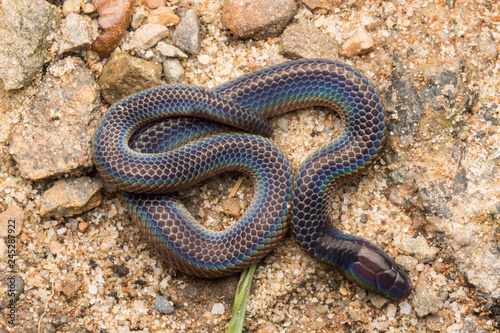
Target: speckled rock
(71,288)
(124,75)
(187,34)
(24,29)
(11,221)
(173,70)
(163,305)
(75,30)
(419,248)
(360,44)
(149,35)
(55,137)
(164,16)
(257,18)
(71,196)
(304,40)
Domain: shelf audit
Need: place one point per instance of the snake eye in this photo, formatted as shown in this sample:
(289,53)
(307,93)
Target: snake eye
(375,270)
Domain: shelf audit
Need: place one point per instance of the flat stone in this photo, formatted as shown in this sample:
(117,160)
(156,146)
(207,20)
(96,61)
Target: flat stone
(75,31)
(173,70)
(11,221)
(304,40)
(55,137)
(419,248)
(164,16)
(148,35)
(258,19)
(71,196)
(360,44)
(231,207)
(24,29)
(170,51)
(187,34)
(124,75)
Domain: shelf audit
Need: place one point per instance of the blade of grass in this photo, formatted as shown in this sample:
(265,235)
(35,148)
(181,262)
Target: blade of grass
(240,300)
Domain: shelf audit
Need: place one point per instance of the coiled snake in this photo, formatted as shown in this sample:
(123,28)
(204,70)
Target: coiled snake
(168,138)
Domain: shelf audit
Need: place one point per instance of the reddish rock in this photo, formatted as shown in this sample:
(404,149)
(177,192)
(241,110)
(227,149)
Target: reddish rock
(164,16)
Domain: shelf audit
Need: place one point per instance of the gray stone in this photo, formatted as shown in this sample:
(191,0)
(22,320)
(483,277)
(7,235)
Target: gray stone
(426,301)
(24,28)
(16,283)
(75,31)
(138,17)
(55,137)
(124,75)
(170,51)
(163,305)
(71,196)
(304,40)
(173,70)
(148,35)
(187,34)
(419,248)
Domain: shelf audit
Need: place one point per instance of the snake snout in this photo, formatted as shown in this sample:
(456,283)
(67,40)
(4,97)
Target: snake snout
(376,271)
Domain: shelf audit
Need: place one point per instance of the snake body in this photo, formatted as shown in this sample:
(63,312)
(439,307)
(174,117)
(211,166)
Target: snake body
(168,138)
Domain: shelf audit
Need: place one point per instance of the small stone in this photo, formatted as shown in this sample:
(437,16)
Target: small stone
(405,308)
(426,301)
(363,218)
(11,221)
(71,288)
(75,34)
(120,270)
(173,70)
(148,35)
(257,19)
(3,249)
(282,123)
(419,248)
(163,305)
(218,308)
(71,196)
(377,300)
(164,16)
(276,319)
(138,17)
(92,289)
(187,34)
(318,6)
(153,4)
(406,262)
(304,40)
(56,137)
(71,6)
(170,51)
(391,310)
(88,8)
(16,283)
(231,207)
(55,247)
(361,43)
(204,59)
(321,309)
(124,75)
(83,226)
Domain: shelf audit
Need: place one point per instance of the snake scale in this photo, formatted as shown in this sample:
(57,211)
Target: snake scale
(168,138)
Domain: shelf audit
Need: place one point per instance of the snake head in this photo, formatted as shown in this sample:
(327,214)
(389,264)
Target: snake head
(376,271)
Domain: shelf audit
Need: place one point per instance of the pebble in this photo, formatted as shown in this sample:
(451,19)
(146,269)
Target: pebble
(153,4)
(360,44)
(124,75)
(405,308)
(71,196)
(163,305)
(218,308)
(164,16)
(318,6)
(24,39)
(82,226)
(408,263)
(11,217)
(75,31)
(120,270)
(231,207)
(56,135)
(304,40)
(71,6)
(173,71)
(148,36)
(170,51)
(187,34)
(419,248)
(88,8)
(138,17)
(71,288)
(18,284)
(257,19)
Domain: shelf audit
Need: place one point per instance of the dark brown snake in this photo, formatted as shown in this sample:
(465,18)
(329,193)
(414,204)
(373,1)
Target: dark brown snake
(168,138)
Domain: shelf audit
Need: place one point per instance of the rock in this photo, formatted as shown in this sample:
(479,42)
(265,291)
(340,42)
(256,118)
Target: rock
(231,207)
(75,31)
(406,262)
(425,299)
(173,70)
(163,305)
(71,196)
(120,270)
(318,6)
(55,138)
(148,35)
(88,8)
(218,308)
(164,16)
(170,51)
(71,288)
(3,250)
(82,226)
(471,326)
(71,6)
(187,34)
(156,3)
(11,221)
(16,283)
(304,40)
(24,29)
(258,19)
(124,75)
(361,43)
(55,247)
(138,17)
(419,248)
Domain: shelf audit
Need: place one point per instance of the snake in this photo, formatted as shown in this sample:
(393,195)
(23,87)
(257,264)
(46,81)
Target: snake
(167,138)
